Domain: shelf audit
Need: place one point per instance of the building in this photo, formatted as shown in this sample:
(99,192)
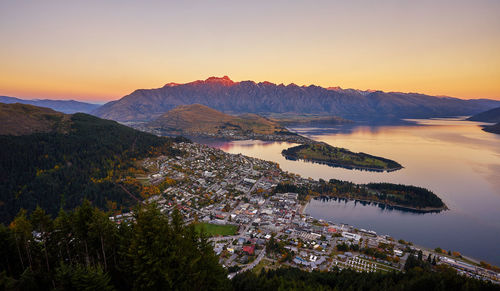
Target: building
(249,249)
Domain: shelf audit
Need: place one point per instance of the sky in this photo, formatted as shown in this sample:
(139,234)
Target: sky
(102,50)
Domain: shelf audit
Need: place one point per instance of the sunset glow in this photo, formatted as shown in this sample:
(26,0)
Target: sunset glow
(103,50)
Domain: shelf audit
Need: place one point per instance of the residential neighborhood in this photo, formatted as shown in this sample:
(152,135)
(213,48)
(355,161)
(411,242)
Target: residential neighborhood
(233,199)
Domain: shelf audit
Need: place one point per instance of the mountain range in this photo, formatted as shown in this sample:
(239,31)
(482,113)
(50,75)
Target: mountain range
(266,98)
(65,106)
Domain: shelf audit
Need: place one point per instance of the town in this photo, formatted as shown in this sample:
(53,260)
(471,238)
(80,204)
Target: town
(234,199)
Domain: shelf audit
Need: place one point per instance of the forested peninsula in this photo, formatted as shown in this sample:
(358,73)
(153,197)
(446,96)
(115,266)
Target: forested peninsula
(403,197)
(323,153)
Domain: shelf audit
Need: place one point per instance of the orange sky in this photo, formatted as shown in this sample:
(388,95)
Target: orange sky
(103,50)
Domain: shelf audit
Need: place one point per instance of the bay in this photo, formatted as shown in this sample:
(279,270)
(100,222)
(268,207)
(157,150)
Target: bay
(453,158)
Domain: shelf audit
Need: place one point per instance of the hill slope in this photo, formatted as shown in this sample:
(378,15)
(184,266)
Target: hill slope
(493,128)
(265,98)
(57,169)
(492,115)
(65,106)
(201,121)
(21,119)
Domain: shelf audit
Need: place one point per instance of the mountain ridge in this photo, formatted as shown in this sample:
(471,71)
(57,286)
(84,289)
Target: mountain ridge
(266,98)
(65,106)
(492,115)
(21,119)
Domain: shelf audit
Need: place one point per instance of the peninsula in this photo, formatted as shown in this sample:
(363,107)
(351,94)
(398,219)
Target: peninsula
(202,122)
(323,153)
(398,196)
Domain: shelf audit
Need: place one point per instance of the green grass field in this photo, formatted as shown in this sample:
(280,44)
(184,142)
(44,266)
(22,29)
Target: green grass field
(263,264)
(216,229)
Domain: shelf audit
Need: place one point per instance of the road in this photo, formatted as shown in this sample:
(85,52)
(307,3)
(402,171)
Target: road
(250,266)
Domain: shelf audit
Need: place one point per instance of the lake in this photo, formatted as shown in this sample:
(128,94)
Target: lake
(453,158)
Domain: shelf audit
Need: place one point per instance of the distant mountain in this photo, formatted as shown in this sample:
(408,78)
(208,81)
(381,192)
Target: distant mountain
(197,120)
(308,120)
(493,128)
(65,106)
(492,115)
(67,158)
(21,119)
(267,98)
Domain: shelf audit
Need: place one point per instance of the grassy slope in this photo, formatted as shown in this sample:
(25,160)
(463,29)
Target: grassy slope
(200,119)
(21,119)
(217,229)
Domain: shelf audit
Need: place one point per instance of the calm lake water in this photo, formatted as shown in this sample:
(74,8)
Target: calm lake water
(455,159)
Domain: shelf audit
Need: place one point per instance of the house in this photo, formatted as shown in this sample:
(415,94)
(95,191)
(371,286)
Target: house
(249,249)
(352,236)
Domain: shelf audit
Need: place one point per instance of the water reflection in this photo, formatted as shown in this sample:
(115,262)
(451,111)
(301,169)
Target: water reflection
(453,158)
(382,206)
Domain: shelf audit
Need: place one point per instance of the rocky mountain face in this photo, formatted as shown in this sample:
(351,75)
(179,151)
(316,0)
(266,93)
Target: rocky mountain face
(492,115)
(267,98)
(65,106)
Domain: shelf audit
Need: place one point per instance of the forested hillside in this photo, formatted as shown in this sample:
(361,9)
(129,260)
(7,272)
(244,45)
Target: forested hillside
(84,250)
(57,169)
(415,279)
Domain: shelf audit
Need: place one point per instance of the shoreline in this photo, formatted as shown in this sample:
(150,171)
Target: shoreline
(429,249)
(337,165)
(395,206)
(426,210)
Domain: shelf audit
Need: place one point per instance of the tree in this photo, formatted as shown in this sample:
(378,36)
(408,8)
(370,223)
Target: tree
(83,278)
(103,232)
(81,223)
(22,230)
(42,225)
(168,255)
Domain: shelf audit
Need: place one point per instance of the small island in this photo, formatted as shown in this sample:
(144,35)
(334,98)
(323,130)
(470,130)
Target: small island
(339,157)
